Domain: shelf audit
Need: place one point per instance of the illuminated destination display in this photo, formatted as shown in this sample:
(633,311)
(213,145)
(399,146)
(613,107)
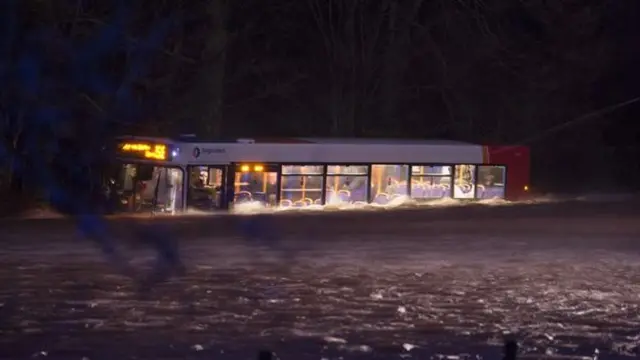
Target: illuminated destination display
(145,150)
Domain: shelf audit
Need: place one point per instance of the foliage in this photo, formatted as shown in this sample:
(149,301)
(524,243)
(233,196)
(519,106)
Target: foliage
(483,71)
(67,87)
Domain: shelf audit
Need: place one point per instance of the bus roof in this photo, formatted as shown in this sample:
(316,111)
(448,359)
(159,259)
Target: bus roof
(328,141)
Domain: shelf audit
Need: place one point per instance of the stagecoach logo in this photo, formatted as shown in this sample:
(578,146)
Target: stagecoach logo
(207,151)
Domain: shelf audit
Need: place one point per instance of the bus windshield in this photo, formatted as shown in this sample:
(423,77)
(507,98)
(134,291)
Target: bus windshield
(132,187)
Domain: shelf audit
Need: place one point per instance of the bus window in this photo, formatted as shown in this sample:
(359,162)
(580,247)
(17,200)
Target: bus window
(145,172)
(431,182)
(126,176)
(388,182)
(491,182)
(464,182)
(256,186)
(346,184)
(301,185)
(205,187)
(136,187)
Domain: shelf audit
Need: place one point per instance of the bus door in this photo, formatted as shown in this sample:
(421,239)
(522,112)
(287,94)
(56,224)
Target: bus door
(216,179)
(207,187)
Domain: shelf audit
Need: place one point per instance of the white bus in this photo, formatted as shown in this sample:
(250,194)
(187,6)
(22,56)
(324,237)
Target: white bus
(175,175)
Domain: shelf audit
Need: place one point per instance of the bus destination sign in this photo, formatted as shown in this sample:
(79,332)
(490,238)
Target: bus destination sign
(144,150)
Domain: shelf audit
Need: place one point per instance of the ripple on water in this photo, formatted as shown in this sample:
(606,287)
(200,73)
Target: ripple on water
(560,306)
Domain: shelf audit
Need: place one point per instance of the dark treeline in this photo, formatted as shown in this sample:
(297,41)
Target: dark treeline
(498,71)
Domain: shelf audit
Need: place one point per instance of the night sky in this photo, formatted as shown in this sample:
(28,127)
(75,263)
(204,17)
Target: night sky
(514,72)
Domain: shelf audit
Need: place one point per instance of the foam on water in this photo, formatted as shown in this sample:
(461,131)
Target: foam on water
(419,296)
(405,202)
(402,202)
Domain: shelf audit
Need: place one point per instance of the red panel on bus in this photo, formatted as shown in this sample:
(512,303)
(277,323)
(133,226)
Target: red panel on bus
(517,161)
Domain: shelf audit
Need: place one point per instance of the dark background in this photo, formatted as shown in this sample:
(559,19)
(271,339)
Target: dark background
(529,72)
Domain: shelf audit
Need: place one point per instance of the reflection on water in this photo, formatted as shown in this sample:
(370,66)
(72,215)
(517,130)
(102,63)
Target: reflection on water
(417,300)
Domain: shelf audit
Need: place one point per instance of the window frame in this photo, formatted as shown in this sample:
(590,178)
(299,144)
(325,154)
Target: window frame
(120,163)
(450,175)
(504,185)
(223,189)
(325,174)
(367,182)
(371,198)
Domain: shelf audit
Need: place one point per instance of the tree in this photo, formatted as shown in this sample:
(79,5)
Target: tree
(267,70)
(366,44)
(209,87)
(58,70)
(502,71)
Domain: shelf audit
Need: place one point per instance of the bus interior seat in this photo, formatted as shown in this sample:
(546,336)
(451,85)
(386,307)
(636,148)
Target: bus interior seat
(344,195)
(286,203)
(381,198)
(243,196)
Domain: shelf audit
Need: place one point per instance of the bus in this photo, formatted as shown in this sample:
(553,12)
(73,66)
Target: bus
(173,175)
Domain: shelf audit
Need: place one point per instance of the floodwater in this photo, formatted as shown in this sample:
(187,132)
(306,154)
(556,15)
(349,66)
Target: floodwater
(426,286)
